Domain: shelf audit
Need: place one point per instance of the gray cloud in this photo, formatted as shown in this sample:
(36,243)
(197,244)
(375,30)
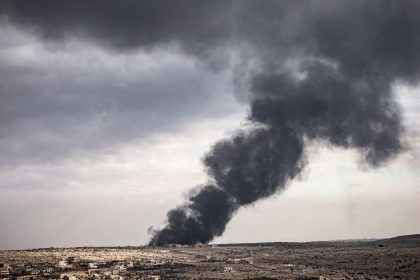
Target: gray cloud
(78,99)
(198,27)
(362,36)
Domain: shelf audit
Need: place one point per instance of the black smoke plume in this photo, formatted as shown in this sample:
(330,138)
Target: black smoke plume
(319,70)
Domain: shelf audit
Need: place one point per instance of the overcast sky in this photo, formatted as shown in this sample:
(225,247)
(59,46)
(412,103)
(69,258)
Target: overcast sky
(99,138)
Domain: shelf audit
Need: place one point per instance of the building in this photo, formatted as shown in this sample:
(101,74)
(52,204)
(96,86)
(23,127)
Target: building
(93,265)
(27,277)
(228,269)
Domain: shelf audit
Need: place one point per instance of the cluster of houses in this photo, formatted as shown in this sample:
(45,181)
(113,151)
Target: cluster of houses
(121,263)
(73,269)
(4,271)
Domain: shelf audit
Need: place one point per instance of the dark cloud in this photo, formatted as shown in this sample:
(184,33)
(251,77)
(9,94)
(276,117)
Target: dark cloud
(319,70)
(79,99)
(199,27)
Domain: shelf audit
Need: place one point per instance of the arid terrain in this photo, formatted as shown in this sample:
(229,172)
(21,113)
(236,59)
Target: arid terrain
(395,258)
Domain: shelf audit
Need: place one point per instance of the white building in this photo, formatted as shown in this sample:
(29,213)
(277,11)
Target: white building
(228,269)
(93,265)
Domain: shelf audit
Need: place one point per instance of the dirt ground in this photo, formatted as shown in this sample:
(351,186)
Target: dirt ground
(395,258)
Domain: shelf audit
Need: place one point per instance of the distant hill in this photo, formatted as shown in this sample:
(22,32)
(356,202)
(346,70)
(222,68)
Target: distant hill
(403,238)
(413,238)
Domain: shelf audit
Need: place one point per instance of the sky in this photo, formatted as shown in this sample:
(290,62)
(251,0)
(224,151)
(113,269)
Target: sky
(110,118)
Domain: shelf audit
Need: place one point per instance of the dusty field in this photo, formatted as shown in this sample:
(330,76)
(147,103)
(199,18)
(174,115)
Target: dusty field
(397,258)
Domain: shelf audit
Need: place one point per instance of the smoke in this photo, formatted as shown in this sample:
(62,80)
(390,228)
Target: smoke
(312,71)
(257,163)
(330,81)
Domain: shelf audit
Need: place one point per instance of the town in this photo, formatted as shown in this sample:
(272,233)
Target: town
(397,258)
